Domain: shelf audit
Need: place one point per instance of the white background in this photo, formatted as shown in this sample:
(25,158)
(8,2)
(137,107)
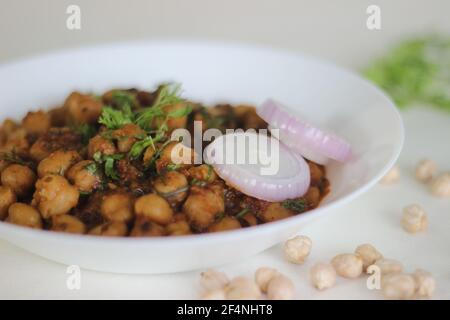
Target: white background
(335,30)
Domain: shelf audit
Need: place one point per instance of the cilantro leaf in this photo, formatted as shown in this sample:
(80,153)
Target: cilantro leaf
(296,205)
(116,119)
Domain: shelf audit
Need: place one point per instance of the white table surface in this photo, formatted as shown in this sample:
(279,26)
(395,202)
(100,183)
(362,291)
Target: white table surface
(323,28)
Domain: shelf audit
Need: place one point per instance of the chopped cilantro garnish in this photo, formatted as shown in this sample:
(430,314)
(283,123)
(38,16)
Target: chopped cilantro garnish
(116,119)
(296,205)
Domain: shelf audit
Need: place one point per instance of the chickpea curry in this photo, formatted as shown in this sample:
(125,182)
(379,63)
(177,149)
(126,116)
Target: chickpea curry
(101,165)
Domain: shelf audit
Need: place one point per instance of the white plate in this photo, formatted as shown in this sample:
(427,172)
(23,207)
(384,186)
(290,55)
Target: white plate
(210,72)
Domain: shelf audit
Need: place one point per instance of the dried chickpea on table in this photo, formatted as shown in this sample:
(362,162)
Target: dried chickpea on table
(101,165)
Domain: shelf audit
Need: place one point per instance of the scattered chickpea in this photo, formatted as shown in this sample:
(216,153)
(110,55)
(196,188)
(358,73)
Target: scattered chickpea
(393,176)
(55,195)
(110,229)
(297,249)
(398,286)
(212,280)
(215,295)
(7,198)
(426,170)
(347,265)
(241,288)
(425,283)
(280,288)
(440,186)
(389,266)
(263,276)
(368,254)
(24,215)
(154,208)
(67,223)
(19,178)
(414,218)
(322,276)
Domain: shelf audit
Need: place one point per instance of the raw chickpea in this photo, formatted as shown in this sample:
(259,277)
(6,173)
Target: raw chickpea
(55,195)
(388,266)
(7,198)
(82,108)
(440,186)
(143,227)
(275,211)
(280,288)
(263,276)
(178,228)
(226,223)
(426,170)
(347,265)
(110,229)
(241,288)
(117,207)
(24,215)
(215,295)
(154,208)
(202,206)
(398,286)
(172,185)
(127,136)
(368,254)
(211,280)
(322,276)
(393,176)
(36,122)
(414,218)
(203,172)
(58,163)
(297,249)
(425,283)
(67,223)
(19,178)
(84,176)
(101,145)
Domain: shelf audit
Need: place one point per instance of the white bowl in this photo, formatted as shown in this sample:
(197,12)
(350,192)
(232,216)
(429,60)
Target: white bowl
(209,72)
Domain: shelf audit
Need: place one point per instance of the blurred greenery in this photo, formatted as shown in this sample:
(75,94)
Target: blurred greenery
(416,71)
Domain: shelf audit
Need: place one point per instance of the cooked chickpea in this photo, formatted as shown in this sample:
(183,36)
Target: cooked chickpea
(101,145)
(58,163)
(55,195)
(175,153)
(388,266)
(322,276)
(148,155)
(7,198)
(414,218)
(211,280)
(275,211)
(297,249)
(426,170)
(17,143)
(172,185)
(84,177)
(143,227)
(202,206)
(110,229)
(347,265)
(9,126)
(154,208)
(263,276)
(312,197)
(425,283)
(82,108)
(440,186)
(117,207)
(224,224)
(19,178)
(315,172)
(398,286)
(280,288)
(203,172)
(68,224)
(393,176)
(127,136)
(36,122)
(241,288)
(24,215)
(178,228)
(368,254)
